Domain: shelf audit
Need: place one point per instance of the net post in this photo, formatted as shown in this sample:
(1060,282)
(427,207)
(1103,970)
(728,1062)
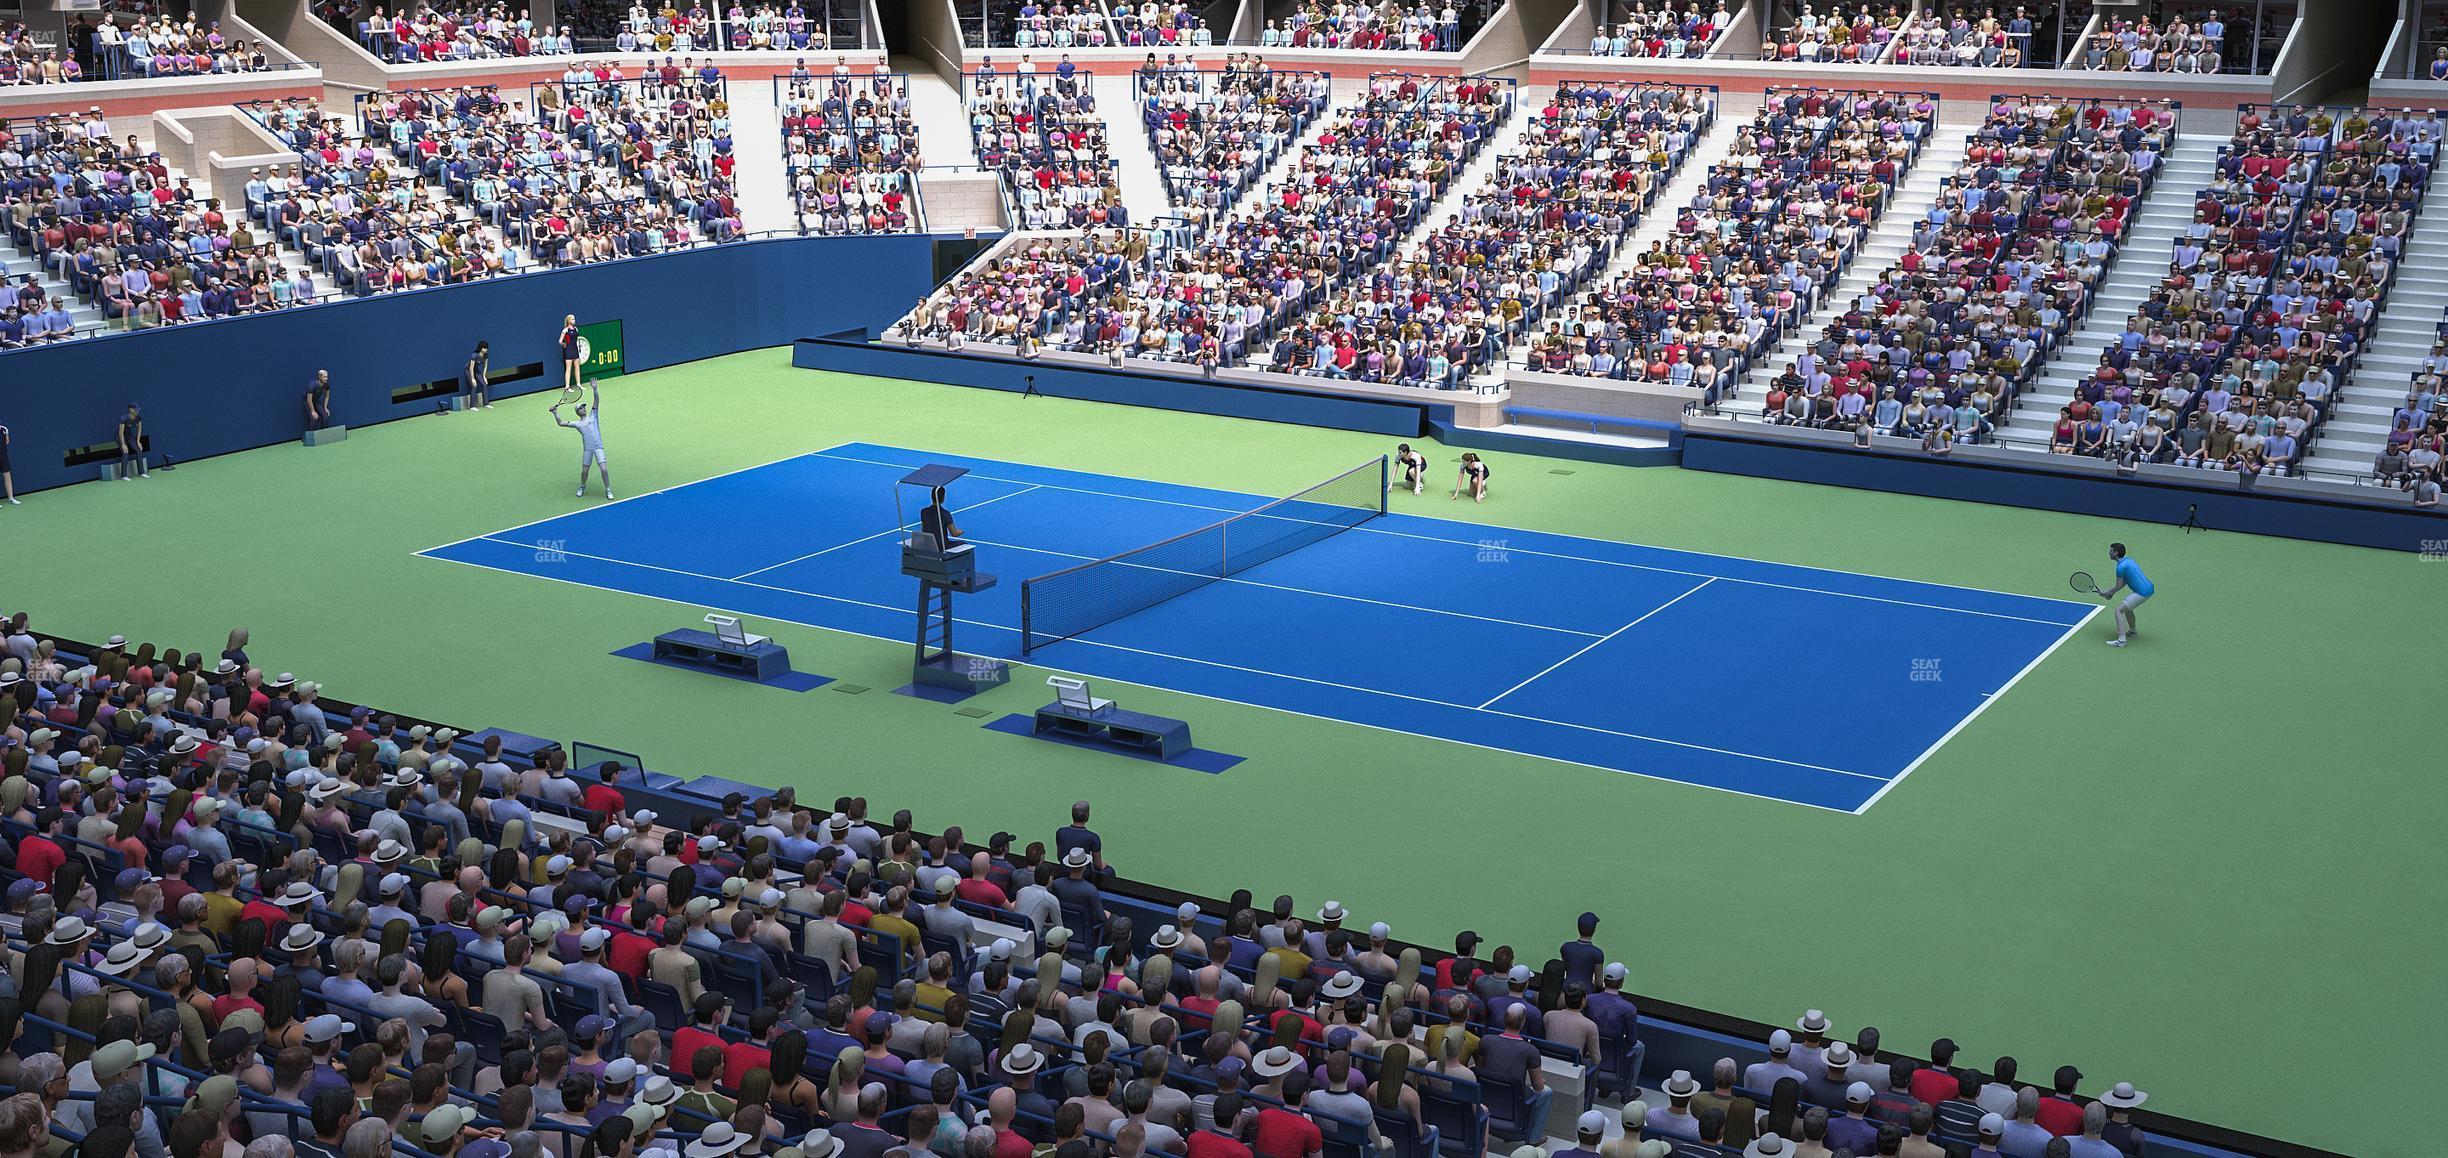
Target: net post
(1026,638)
(1385,481)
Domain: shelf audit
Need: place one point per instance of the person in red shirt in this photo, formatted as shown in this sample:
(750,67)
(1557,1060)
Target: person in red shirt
(1215,1139)
(631,947)
(1281,1132)
(756,1053)
(713,1010)
(1002,1106)
(1457,971)
(2060,1113)
(241,993)
(603,797)
(40,855)
(174,886)
(277,910)
(1934,1083)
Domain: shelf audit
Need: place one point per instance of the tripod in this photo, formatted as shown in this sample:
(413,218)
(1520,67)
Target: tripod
(1030,382)
(2192,520)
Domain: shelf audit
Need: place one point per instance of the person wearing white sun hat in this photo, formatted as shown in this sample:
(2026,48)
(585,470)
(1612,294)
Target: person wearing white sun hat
(2120,1131)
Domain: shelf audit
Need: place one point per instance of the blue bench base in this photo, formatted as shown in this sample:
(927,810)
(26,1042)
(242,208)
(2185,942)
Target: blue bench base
(1193,759)
(762,662)
(789,681)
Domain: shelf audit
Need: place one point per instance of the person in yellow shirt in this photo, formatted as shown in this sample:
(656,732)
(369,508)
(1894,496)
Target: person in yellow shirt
(893,918)
(936,990)
(221,905)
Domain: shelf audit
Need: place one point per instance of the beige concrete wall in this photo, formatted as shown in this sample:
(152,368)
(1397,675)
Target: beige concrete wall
(935,38)
(1654,402)
(218,146)
(956,201)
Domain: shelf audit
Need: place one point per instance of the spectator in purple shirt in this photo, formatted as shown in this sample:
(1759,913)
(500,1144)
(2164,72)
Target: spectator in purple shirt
(1854,1130)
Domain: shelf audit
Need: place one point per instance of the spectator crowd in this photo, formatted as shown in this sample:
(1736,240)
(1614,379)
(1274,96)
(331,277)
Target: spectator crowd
(1384,26)
(1939,37)
(117,236)
(2237,356)
(242,920)
(1771,229)
(850,150)
(2001,267)
(1214,132)
(1831,38)
(1042,131)
(1661,32)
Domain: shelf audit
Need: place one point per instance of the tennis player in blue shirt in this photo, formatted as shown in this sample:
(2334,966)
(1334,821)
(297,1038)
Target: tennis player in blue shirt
(2136,586)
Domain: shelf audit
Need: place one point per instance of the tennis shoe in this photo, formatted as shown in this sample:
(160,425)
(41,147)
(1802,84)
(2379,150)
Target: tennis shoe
(2116,643)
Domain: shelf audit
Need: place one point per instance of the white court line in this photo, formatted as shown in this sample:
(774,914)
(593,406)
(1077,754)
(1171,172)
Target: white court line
(1368,528)
(1256,671)
(1983,706)
(1593,643)
(1295,590)
(880,534)
(893,639)
(636,497)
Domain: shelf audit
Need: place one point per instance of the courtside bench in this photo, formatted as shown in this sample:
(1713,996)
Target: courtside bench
(1136,732)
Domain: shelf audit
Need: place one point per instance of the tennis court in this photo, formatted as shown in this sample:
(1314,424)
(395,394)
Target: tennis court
(1815,687)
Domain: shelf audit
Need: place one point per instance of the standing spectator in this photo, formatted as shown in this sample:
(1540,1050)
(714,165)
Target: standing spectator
(8,481)
(132,445)
(1582,957)
(318,401)
(476,380)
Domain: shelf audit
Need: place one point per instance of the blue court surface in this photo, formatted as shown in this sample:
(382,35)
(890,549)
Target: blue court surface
(1819,688)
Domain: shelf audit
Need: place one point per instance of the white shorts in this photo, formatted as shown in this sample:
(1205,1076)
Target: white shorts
(593,457)
(2131,601)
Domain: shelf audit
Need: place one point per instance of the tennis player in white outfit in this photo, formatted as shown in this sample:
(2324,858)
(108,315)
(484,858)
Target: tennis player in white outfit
(589,426)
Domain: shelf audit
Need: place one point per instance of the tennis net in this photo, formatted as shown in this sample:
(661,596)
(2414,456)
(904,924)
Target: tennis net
(1061,604)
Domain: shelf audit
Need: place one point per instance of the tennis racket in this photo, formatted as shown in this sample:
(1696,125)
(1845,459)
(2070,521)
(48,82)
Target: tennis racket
(2082,581)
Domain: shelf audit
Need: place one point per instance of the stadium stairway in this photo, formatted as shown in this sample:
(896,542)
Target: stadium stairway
(1658,221)
(1876,255)
(2409,322)
(1126,141)
(1338,93)
(760,179)
(2139,265)
(17,263)
(1474,175)
(935,107)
